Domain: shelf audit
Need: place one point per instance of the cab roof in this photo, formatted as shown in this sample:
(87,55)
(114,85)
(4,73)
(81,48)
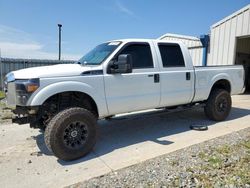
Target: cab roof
(145,40)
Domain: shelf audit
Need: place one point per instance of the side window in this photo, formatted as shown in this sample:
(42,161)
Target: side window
(141,55)
(171,55)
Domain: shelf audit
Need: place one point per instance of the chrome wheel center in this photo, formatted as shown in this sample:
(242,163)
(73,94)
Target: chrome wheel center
(74,134)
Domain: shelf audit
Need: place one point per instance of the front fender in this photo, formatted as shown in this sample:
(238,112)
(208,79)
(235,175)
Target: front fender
(41,95)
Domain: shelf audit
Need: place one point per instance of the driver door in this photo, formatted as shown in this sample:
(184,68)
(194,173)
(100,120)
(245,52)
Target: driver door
(138,90)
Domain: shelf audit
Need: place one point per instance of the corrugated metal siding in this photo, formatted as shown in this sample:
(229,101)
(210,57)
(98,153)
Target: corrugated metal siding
(8,64)
(193,43)
(224,36)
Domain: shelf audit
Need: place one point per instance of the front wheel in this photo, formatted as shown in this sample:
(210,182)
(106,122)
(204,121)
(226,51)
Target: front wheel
(218,105)
(71,134)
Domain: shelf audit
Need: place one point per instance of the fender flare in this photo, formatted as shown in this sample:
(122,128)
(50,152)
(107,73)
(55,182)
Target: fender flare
(219,77)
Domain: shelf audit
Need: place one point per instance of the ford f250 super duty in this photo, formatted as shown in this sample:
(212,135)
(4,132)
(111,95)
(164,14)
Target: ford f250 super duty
(115,77)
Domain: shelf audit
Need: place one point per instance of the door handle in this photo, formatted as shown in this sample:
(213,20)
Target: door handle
(188,76)
(156,78)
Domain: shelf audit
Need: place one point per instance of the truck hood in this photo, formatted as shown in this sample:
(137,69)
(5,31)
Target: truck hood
(51,71)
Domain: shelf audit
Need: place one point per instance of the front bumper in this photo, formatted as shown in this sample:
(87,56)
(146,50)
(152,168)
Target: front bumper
(25,115)
(17,97)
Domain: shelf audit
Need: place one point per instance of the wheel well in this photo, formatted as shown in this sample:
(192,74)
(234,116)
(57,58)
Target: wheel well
(59,102)
(222,84)
(72,99)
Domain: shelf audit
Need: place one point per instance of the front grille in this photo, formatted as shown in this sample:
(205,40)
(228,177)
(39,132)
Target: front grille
(11,94)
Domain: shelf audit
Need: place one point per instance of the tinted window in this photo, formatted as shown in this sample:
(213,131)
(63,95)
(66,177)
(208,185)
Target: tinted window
(171,55)
(141,55)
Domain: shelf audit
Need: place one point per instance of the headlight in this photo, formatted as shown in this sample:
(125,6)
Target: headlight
(24,89)
(9,77)
(28,86)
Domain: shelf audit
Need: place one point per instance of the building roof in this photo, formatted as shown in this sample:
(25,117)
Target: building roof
(186,37)
(231,16)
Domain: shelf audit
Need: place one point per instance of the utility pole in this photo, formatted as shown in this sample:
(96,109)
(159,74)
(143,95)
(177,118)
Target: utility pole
(60,31)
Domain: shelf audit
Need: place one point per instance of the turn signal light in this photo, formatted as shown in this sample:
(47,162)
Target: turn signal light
(31,87)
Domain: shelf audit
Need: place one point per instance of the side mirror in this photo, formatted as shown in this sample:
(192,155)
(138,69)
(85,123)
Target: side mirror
(123,65)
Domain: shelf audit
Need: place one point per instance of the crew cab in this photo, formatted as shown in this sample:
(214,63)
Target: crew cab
(116,77)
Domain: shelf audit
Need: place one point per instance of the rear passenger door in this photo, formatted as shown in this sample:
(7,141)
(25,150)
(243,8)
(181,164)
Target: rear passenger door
(177,80)
(138,90)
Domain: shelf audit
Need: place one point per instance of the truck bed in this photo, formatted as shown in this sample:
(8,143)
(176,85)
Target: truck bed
(205,77)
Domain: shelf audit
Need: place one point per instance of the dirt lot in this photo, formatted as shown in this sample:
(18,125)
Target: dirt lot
(124,141)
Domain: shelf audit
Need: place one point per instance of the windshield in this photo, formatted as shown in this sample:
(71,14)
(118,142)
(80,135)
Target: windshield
(99,53)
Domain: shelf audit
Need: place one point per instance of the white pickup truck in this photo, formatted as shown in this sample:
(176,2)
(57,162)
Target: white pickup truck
(116,77)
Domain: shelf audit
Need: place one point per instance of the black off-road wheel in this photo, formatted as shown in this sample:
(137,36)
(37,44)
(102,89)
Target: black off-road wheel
(218,105)
(71,134)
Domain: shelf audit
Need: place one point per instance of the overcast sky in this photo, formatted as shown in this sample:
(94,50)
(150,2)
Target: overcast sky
(28,28)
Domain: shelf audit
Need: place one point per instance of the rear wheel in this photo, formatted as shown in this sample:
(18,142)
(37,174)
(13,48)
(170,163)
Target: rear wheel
(218,105)
(71,134)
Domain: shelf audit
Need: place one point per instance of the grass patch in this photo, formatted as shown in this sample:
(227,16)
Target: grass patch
(215,161)
(174,163)
(224,150)
(5,112)
(6,115)
(2,105)
(206,182)
(217,170)
(239,174)
(2,95)
(246,144)
(189,169)
(202,155)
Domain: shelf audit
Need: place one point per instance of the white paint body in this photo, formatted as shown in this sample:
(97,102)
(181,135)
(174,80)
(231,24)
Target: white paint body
(121,93)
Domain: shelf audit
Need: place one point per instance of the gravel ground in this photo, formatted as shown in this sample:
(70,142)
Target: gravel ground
(220,162)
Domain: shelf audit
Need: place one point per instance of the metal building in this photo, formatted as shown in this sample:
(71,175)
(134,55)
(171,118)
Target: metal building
(230,41)
(230,38)
(193,43)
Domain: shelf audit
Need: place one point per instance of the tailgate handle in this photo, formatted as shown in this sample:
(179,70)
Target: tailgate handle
(188,76)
